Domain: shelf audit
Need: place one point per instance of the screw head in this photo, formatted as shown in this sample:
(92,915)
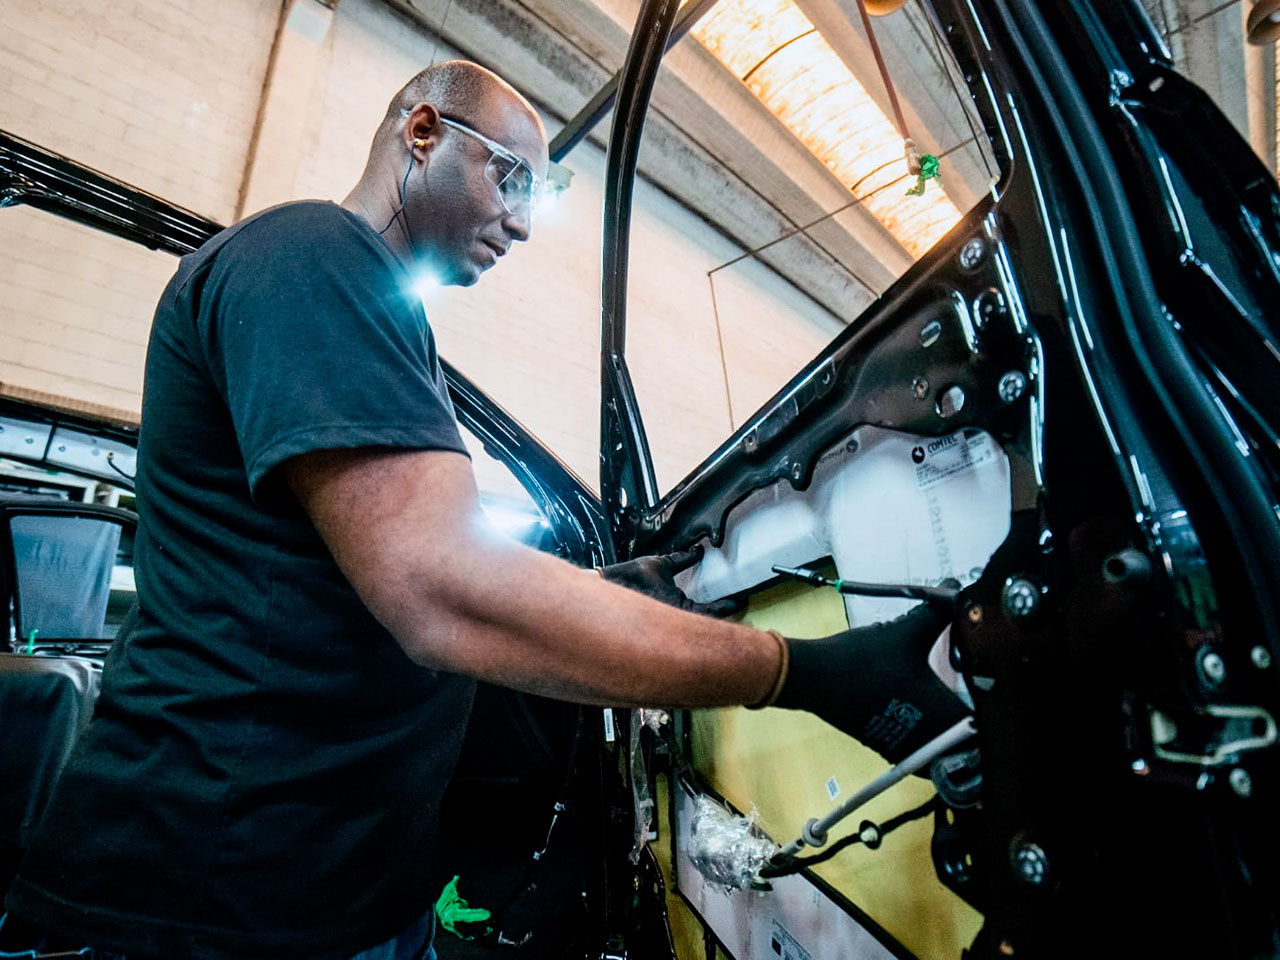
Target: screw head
(1213,668)
(920,388)
(1031,864)
(1020,598)
(1240,782)
(1261,657)
(974,613)
(1012,384)
(972,252)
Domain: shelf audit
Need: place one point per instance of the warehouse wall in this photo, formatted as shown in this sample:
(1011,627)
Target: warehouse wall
(160,93)
(175,96)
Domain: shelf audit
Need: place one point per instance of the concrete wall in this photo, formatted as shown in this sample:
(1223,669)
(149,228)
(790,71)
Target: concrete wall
(187,99)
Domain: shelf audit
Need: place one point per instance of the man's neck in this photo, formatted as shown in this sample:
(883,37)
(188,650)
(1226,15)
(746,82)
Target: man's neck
(384,217)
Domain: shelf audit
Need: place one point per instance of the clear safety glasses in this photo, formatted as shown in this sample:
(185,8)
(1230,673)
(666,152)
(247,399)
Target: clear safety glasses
(518,186)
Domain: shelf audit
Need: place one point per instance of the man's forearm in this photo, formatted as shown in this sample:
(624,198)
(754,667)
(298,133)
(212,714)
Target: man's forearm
(543,627)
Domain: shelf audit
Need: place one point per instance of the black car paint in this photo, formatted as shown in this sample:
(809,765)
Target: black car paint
(1134,277)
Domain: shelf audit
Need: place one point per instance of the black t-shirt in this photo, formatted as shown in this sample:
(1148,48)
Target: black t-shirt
(262,775)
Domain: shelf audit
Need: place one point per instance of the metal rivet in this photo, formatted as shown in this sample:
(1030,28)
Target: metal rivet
(1011,386)
(920,387)
(950,402)
(1261,657)
(1031,863)
(1213,667)
(974,613)
(930,333)
(972,252)
(1240,782)
(1020,598)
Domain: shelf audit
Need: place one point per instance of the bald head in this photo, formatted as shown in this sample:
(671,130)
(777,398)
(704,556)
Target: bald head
(455,87)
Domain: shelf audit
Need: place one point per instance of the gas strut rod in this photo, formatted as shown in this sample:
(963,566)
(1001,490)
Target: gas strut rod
(815,831)
(943,596)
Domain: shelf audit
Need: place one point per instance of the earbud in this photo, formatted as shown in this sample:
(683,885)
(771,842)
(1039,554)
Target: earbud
(419,144)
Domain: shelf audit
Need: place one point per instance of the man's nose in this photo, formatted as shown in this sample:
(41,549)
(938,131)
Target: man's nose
(519,225)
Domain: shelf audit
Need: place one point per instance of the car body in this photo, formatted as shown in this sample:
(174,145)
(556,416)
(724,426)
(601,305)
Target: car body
(1099,335)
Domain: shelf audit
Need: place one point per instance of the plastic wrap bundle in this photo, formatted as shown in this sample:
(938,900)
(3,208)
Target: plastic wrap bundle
(726,848)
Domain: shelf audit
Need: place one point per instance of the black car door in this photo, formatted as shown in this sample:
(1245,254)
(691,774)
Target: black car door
(1069,404)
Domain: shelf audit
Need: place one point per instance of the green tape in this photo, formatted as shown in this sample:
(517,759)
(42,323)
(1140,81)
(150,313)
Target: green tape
(31,641)
(452,910)
(928,171)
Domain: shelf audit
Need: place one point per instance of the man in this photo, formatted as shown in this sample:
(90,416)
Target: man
(262,775)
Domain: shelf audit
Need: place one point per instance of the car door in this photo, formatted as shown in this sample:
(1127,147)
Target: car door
(1069,405)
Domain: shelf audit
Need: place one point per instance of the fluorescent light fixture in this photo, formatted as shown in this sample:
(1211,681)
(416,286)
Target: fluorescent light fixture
(772,47)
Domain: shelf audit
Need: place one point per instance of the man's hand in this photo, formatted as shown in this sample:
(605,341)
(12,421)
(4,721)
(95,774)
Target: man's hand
(875,684)
(655,578)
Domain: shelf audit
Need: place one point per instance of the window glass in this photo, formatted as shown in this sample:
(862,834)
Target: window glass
(778,201)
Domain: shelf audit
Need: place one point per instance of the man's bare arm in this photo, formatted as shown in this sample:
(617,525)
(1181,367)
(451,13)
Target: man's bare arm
(407,530)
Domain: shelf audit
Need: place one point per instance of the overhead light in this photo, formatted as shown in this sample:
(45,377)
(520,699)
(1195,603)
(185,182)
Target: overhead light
(773,48)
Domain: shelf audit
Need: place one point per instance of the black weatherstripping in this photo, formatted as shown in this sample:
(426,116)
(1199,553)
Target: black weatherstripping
(36,177)
(627,481)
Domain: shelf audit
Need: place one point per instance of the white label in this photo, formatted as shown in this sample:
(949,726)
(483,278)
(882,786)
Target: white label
(833,788)
(950,456)
(784,945)
(609,734)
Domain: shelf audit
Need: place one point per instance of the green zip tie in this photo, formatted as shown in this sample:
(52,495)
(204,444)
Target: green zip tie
(452,910)
(31,641)
(928,171)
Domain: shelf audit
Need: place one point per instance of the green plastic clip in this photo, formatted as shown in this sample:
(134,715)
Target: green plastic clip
(452,910)
(928,171)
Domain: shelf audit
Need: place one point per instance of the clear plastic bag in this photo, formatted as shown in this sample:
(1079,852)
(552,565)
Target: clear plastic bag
(726,848)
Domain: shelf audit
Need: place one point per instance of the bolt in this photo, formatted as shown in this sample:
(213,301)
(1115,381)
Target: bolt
(1031,863)
(1021,598)
(920,387)
(1240,782)
(1011,386)
(987,307)
(1214,668)
(1261,657)
(974,613)
(951,402)
(972,252)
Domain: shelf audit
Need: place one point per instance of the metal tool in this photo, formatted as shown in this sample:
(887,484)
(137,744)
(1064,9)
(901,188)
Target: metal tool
(945,596)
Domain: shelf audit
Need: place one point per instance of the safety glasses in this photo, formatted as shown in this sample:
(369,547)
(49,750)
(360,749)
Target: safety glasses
(518,186)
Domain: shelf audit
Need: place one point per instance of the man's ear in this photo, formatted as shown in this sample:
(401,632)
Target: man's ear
(422,128)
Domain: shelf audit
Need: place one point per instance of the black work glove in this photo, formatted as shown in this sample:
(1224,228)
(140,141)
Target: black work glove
(875,683)
(655,578)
